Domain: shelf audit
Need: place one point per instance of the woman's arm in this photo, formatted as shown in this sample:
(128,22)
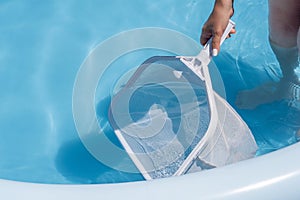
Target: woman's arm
(216,24)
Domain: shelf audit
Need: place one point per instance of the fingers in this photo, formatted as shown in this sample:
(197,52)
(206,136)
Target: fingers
(216,40)
(216,34)
(205,35)
(233,31)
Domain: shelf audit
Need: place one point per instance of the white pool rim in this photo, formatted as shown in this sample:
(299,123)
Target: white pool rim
(272,176)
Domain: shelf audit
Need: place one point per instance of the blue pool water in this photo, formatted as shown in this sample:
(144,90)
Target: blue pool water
(44,43)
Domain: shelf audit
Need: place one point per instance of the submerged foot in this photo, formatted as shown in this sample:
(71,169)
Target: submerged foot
(267,93)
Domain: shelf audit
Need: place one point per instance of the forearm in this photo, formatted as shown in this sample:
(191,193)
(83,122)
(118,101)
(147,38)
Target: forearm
(225,6)
(224,3)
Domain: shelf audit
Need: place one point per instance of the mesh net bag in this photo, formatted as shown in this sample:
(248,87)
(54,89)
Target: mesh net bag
(232,140)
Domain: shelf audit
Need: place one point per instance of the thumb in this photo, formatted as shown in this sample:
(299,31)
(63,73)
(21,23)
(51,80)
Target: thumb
(216,42)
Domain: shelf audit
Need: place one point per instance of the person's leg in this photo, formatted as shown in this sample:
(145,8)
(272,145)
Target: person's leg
(298,40)
(284,22)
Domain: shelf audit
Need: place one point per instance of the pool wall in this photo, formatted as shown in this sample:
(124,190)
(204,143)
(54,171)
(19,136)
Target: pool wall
(272,176)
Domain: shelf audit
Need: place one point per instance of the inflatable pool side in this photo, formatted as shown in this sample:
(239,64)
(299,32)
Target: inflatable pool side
(272,176)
